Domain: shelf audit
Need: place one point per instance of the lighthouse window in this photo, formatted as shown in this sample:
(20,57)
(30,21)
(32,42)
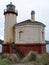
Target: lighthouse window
(20,35)
(11,8)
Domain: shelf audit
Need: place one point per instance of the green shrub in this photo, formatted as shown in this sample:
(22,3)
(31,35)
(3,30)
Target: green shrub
(4,56)
(5,62)
(13,58)
(45,59)
(9,58)
(30,57)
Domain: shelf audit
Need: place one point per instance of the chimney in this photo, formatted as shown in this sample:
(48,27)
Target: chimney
(33,15)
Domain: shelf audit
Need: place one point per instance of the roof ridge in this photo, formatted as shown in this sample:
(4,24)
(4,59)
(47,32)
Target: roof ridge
(29,21)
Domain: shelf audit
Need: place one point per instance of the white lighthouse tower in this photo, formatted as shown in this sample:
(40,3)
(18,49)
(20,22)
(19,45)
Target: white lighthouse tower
(10,19)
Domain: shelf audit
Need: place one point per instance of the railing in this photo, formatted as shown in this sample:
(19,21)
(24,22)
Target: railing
(17,51)
(5,10)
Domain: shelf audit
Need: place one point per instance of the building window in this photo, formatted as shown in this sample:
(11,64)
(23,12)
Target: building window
(20,35)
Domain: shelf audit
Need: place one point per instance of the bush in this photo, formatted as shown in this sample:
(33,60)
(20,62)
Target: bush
(13,58)
(3,56)
(9,58)
(4,62)
(30,57)
(45,59)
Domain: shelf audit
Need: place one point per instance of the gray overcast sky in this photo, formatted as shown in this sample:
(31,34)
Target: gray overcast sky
(24,8)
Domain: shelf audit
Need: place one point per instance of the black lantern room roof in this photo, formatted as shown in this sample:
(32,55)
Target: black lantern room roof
(10,9)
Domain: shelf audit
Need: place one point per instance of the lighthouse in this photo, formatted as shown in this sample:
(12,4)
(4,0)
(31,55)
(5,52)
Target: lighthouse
(10,14)
(10,20)
(28,35)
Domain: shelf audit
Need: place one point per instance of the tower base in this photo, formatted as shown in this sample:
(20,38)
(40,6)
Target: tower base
(25,48)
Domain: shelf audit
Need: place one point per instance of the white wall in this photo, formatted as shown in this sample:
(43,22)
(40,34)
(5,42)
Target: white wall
(30,34)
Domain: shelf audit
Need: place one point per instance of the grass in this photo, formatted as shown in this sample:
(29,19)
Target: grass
(8,59)
(37,59)
(30,59)
(4,62)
